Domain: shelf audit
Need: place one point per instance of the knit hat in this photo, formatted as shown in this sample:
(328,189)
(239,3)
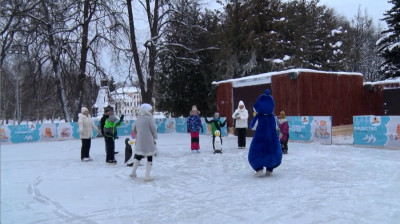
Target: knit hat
(216,114)
(146,107)
(108,109)
(265,104)
(84,109)
(112,118)
(194,109)
(282,115)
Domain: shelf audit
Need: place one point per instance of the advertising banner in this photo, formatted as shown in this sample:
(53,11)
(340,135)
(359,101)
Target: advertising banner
(68,131)
(381,131)
(310,128)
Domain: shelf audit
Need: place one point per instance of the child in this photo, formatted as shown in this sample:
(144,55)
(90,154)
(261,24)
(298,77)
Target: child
(146,134)
(194,125)
(216,124)
(110,134)
(265,150)
(284,132)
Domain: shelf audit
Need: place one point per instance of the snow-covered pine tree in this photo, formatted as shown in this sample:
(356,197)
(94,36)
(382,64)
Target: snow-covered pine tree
(389,44)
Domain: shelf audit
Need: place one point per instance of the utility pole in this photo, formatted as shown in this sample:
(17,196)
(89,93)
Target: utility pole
(18,50)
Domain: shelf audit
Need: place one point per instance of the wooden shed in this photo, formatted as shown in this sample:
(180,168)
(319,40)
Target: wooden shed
(301,92)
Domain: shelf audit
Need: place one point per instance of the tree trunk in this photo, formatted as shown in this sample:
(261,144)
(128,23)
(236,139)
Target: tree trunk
(55,62)
(83,60)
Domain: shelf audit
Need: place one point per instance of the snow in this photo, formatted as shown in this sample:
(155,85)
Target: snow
(265,78)
(337,44)
(47,183)
(336,31)
(387,81)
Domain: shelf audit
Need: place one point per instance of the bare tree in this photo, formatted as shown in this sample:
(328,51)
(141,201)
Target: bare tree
(157,13)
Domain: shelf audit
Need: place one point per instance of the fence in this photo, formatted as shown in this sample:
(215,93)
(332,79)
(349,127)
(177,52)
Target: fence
(68,131)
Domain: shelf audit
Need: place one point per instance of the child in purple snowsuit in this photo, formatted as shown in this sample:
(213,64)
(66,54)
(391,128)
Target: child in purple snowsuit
(194,126)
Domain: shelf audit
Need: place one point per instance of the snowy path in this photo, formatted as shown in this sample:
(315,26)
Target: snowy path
(47,183)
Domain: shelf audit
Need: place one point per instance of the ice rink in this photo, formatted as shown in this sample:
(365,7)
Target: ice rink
(46,182)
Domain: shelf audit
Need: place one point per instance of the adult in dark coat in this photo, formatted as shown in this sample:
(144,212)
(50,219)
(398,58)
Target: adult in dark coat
(107,112)
(265,149)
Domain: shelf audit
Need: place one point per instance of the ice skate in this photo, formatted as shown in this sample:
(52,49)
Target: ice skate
(135,166)
(148,169)
(259,173)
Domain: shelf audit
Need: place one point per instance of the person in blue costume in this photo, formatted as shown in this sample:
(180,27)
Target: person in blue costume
(265,149)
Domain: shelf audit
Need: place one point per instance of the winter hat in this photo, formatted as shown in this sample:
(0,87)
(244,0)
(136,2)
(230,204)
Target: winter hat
(84,109)
(216,114)
(265,103)
(108,109)
(282,115)
(146,107)
(112,118)
(194,108)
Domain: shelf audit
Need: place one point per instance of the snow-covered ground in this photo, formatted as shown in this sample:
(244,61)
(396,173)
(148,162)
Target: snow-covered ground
(46,182)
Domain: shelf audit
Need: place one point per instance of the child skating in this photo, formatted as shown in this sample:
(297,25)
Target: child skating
(216,125)
(194,126)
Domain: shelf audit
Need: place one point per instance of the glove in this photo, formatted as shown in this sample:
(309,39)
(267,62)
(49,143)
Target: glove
(122,117)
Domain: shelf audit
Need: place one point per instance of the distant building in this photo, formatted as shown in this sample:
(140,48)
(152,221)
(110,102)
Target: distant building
(301,92)
(103,100)
(127,101)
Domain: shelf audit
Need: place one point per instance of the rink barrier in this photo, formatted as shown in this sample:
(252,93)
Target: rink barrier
(70,130)
(377,131)
(310,129)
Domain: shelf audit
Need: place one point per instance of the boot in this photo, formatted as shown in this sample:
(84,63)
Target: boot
(135,166)
(259,173)
(148,169)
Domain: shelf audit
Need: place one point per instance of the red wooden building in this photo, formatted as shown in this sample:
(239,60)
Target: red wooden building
(301,92)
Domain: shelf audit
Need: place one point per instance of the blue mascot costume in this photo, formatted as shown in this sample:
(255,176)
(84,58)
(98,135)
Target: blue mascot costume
(265,149)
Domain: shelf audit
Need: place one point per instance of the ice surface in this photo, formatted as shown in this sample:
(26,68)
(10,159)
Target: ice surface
(46,182)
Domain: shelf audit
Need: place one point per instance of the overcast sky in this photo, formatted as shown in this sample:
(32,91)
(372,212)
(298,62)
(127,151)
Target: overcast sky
(348,8)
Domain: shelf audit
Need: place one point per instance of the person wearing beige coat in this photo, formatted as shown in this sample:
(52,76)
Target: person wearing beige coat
(146,134)
(86,125)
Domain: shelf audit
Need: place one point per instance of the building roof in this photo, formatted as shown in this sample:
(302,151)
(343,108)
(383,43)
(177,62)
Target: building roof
(384,82)
(265,78)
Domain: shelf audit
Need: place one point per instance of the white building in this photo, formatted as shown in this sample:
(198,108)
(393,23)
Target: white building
(103,100)
(127,101)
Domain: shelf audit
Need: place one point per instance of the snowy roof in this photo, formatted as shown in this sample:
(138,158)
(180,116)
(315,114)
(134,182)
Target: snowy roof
(126,90)
(387,81)
(265,78)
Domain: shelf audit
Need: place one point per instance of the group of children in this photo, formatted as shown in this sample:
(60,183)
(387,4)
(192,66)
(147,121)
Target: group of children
(265,150)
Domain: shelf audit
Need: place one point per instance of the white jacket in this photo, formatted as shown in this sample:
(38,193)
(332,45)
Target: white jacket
(241,117)
(86,124)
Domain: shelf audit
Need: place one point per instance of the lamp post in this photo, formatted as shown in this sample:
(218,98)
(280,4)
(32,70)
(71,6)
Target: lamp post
(18,50)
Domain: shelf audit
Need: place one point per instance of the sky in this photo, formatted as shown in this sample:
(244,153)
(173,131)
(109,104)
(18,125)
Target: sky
(46,183)
(348,8)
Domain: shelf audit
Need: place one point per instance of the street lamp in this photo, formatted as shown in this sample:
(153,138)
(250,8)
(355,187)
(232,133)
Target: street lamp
(18,50)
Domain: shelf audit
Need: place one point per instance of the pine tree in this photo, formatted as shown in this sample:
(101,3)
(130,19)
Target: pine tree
(186,65)
(389,45)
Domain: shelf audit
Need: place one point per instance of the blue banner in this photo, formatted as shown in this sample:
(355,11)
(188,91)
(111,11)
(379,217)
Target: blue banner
(381,131)
(67,131)
(310,128)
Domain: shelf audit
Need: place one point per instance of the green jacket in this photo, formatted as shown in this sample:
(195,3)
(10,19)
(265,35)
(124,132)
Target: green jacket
(110,128)
(216,124)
